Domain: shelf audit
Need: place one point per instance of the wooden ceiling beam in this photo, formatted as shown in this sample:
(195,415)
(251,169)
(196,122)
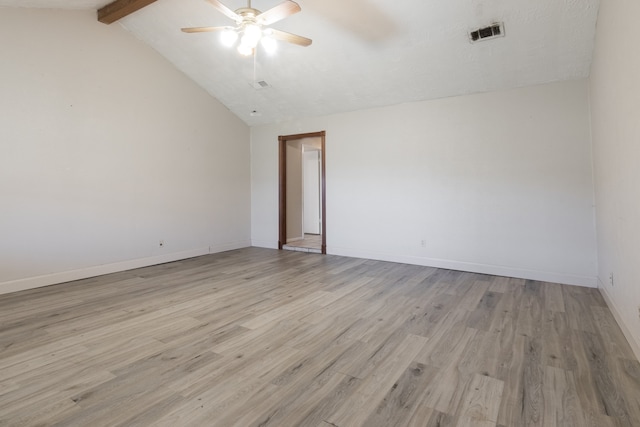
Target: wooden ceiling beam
(119,9)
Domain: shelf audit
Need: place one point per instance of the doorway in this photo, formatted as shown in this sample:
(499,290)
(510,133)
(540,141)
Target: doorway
(302,207)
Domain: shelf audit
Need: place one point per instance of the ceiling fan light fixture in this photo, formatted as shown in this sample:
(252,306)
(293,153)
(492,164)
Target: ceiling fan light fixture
(248,41)
(244,49)
(251,35)
(228,37)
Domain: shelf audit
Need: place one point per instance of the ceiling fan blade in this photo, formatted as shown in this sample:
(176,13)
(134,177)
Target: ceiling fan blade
(202,29)
(225,10)
(276,13)
(290,38)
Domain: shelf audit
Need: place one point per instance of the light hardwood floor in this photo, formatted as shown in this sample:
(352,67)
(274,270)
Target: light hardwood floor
(258,337)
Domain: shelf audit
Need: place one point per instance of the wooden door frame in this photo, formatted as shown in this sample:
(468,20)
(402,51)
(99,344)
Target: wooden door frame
(282,176)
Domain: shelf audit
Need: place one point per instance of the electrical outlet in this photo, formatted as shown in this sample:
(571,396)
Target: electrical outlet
(423,243)
(161,243)
(611,279)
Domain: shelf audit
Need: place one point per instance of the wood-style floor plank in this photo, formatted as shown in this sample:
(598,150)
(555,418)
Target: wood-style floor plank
(259,337)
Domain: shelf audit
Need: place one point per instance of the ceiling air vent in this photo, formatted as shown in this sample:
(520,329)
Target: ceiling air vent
(260,85)
(487,33)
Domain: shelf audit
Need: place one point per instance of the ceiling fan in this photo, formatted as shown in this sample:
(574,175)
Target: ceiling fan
(252,25)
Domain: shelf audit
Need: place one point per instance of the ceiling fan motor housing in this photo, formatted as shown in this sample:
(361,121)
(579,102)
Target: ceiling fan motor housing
(248,13)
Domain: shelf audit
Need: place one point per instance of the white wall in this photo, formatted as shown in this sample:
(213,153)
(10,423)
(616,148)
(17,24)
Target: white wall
(498,183)
(615,115)
(294,191)
(105,148)
(311,191)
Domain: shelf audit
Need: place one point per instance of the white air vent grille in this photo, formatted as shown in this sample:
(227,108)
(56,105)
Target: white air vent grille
(487,33)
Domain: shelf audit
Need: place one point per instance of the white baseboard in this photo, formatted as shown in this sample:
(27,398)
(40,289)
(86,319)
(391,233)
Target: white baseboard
(633,341)
(497,270)
(230,246)
(99,270)
(264,244)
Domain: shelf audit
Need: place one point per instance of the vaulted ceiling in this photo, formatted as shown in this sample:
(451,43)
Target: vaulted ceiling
(367,53)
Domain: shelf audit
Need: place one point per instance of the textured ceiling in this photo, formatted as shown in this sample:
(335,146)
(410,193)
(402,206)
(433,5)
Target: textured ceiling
(369,53)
